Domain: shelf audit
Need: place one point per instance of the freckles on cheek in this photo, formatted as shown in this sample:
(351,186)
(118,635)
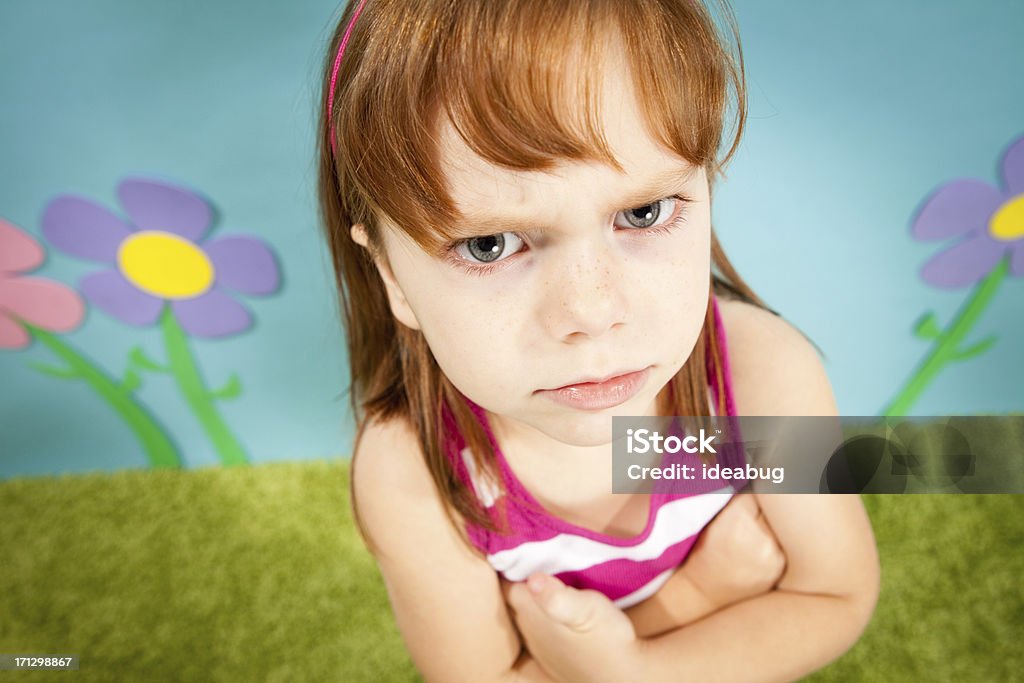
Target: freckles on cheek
(675,292)
(682,273)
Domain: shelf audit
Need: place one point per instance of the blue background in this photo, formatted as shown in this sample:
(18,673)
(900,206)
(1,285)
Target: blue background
(858,111)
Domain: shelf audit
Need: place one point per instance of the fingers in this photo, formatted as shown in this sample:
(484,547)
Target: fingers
(563,604)
(576,609)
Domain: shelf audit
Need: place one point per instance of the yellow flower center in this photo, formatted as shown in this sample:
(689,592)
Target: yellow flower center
(165,265)
(1008,222)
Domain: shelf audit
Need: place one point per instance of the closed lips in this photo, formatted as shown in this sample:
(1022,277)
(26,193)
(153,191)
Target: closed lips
(599,380)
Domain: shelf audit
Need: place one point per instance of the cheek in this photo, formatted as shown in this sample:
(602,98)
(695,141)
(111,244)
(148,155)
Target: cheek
(674,269)
(674,293)
(468,325)
(471,337)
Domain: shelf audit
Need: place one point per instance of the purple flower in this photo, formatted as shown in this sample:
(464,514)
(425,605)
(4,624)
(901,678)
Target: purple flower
(990,221)
(161,255)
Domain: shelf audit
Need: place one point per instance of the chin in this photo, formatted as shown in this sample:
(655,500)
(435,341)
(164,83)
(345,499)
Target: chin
(585,435)
(583,439)
(588,428)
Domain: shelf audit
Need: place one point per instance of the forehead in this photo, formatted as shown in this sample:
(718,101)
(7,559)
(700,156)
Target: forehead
(480,187)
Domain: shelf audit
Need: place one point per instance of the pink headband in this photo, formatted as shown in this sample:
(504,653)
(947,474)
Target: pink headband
(334,71)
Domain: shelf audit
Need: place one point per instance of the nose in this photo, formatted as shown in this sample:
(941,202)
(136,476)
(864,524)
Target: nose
(587,295)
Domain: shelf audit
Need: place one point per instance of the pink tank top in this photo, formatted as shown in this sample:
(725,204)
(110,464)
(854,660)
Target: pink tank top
(627,570)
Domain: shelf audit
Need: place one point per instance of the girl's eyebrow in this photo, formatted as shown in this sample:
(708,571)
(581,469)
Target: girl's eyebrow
(654,188)
(658,187)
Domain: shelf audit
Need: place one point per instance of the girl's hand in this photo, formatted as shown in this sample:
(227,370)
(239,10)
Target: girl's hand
(575,635)
(737,555)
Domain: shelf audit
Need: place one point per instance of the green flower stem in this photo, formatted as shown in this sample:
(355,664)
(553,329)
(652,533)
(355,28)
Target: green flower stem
(157,445)
(183,367)
(948,342)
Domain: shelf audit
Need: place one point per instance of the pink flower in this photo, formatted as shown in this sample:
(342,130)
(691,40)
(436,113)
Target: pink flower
(33,301)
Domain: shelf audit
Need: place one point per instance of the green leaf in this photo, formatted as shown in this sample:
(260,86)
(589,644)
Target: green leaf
(59,373)
(131,380)
(138,357)
(976,350)
(232,389)
(926,327)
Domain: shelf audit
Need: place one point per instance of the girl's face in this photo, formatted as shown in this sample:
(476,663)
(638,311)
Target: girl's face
(584,272)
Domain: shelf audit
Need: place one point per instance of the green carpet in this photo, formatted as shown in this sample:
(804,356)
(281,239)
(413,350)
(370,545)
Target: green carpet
(257,574)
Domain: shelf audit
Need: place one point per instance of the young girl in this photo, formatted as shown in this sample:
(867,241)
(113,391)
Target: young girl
(517,197)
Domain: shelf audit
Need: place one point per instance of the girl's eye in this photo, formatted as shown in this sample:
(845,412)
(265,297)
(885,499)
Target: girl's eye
(489,248)
(647,216)
(481,255)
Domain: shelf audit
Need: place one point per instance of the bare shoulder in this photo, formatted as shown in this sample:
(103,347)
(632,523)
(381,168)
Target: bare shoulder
(440,589)
(393,490)
(775,369)
(388,458)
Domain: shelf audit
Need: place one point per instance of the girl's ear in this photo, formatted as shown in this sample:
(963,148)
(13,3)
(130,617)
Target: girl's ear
(396,298)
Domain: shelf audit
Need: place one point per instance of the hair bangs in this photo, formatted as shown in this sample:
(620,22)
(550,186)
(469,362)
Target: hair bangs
(520,83)
(529,99)
(686,76)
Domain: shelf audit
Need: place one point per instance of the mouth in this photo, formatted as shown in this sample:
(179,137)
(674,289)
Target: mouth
(600,393)
(597,380)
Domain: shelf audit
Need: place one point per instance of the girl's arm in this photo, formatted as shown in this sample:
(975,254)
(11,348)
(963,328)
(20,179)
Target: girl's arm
(735,558)
(820,608)
(446,600)
(829,589)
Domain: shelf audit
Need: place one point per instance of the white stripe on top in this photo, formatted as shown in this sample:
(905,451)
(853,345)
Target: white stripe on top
(676,520)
